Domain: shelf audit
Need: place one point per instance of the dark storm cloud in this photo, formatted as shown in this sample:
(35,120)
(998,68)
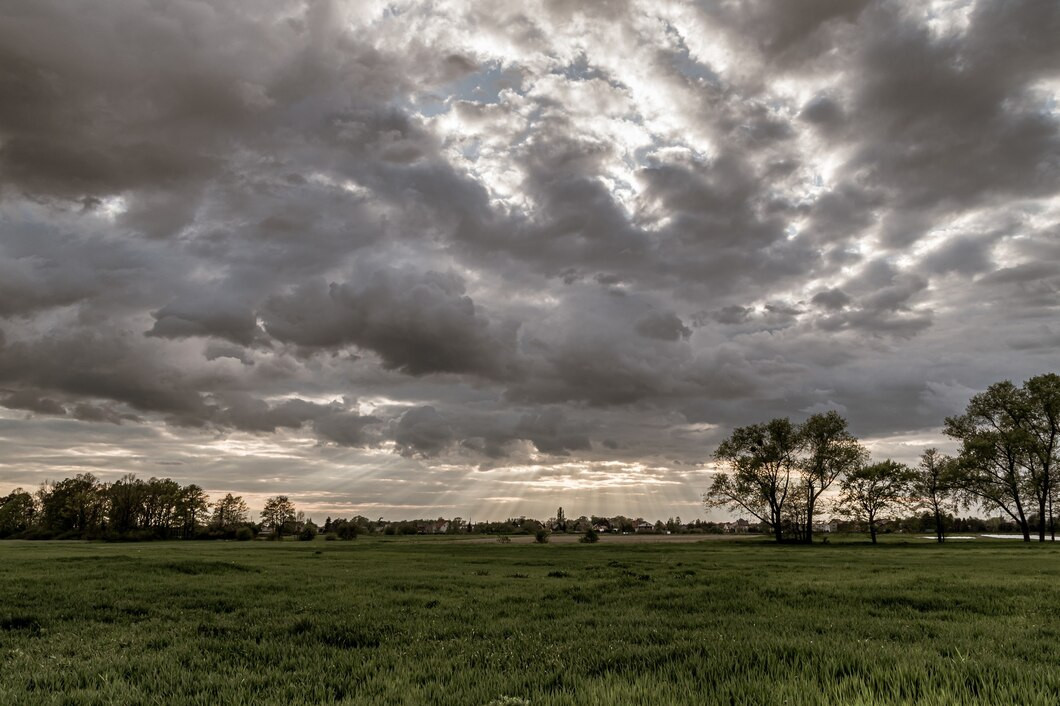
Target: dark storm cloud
(32,402)
(418,323)
(431,237)
(665,326)
(205,315)
(551,432)
(423,431)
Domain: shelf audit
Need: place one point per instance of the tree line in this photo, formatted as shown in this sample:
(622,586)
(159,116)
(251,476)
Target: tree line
(779,472)
(82,507)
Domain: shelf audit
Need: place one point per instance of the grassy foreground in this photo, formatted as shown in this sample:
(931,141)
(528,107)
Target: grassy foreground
(400,622)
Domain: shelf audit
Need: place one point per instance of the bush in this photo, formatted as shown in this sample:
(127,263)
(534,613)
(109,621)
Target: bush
(590,537)
(244,534)
(541,536)
(308,533)
(330,537)
(345,529)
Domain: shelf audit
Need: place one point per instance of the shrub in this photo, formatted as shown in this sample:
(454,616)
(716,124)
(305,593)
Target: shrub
(345,529)
(330,537)
(541,536)
(308,533)
(244,534)
(590,537)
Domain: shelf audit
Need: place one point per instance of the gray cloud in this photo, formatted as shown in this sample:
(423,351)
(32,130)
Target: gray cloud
(466,240)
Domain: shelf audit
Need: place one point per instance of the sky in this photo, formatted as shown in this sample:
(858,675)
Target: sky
(421,259)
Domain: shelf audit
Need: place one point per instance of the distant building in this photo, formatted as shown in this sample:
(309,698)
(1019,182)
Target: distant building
(738,527)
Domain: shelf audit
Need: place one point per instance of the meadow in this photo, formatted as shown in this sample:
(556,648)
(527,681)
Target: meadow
(380,621)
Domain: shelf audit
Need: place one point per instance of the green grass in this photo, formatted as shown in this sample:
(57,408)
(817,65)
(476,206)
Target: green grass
(402,622)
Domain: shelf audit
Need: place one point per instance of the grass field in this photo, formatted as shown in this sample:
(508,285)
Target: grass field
(404,622)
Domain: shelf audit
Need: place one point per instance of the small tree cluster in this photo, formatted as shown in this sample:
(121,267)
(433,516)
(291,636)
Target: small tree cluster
(780,470)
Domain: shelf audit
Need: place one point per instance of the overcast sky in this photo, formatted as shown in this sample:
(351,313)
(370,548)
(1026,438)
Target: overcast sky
(484,259)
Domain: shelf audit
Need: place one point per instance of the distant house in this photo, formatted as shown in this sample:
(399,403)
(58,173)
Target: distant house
(601,527)
(440,527)
(830,526)
(645,526)
(741,526)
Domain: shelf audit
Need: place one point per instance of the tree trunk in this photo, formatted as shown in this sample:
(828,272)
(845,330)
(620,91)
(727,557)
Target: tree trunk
(938,526)
(1052,524)
(1041,515)
(809,520)
(1021,518)
(872,528)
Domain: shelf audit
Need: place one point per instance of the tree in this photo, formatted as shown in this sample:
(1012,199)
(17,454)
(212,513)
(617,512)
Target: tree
(1042,396)
(762,460)
(229,512)
(344,529)
(278,513)
(192,503)
(72,505)
(308,532)
(125,497)
(160,497)
(17,512)
(995,447)
(933,483)
(830,452)
(870,493)
(561,521)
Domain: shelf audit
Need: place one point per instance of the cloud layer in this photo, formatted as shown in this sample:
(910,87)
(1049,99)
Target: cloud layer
(512,253)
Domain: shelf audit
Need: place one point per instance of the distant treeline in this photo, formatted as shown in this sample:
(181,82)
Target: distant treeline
(779,472)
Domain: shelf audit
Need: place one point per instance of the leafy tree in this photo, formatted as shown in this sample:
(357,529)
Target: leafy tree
(308,532)
(541,536)
(933,484)
(1042,396)
(995,447)
(344,529)
(73,505)
(590,537)
(561,520)
(871,493)
(125,497)
(160,498)
(192,504)
(229,513)
(278,513)
(830,452)
(762,459)
(17,512)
